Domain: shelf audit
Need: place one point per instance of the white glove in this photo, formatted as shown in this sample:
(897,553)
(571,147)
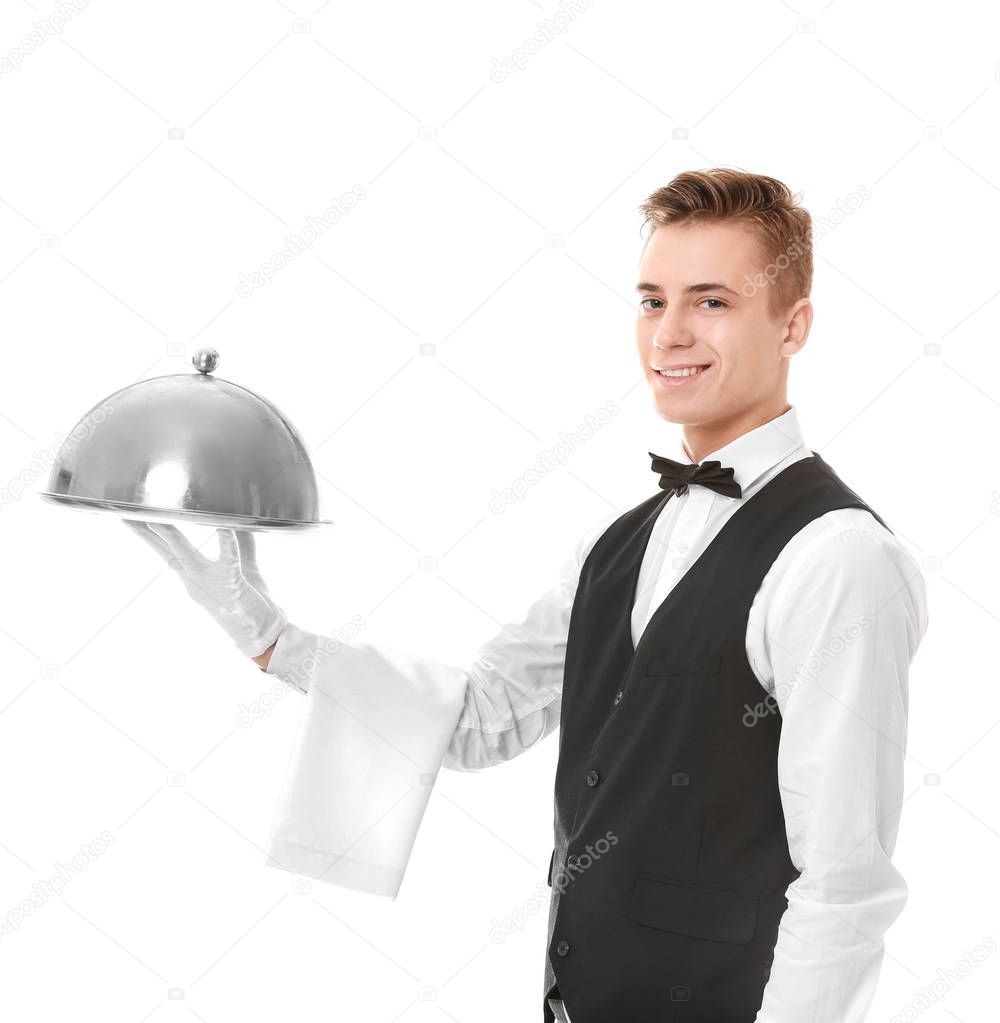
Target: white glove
(230,588)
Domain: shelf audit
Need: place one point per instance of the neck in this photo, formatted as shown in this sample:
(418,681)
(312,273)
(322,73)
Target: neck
(701,439)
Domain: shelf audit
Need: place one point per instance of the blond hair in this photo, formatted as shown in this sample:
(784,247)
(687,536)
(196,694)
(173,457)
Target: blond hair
(782,228)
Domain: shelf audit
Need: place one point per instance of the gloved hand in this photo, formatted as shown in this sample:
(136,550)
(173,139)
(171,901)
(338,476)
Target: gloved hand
(229,588)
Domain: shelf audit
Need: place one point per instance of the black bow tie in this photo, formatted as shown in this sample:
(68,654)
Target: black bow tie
(678,476)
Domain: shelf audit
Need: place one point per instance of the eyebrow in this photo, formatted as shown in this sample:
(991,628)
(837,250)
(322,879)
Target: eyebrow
(691,289)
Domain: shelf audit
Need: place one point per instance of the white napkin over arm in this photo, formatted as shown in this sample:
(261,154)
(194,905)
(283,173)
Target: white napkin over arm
(375,728)
(379,723)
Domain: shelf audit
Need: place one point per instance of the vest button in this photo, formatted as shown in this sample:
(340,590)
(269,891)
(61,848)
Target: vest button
(563,947)
(618,697)
(593,778)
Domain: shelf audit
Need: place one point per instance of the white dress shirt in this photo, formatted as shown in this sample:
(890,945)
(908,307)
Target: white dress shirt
(830,637)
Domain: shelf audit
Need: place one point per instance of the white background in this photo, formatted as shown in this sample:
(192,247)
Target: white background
(499,230)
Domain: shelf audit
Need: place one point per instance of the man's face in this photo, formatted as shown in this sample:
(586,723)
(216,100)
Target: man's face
(696,302)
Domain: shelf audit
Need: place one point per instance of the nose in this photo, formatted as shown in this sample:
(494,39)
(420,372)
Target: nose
(667,335)
(670,330)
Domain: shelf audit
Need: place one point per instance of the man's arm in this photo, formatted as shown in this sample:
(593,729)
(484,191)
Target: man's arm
(513,686)
(840,635)
(264,659)
(514,694)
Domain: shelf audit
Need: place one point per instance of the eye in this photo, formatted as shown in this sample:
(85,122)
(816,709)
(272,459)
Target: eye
(719,300)
(645,300)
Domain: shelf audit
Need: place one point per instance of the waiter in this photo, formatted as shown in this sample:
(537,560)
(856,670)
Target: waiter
(727,662)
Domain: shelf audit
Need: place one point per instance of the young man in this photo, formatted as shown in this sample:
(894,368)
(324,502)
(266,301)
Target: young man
(727,663)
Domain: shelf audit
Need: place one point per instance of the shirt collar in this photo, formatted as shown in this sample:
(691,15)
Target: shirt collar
(752,453)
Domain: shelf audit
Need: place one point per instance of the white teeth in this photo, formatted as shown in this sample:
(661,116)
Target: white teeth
(680,372)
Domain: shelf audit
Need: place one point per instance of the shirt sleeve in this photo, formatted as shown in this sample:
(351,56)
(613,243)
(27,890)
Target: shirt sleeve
(840,634)
(514,692)
(514,696)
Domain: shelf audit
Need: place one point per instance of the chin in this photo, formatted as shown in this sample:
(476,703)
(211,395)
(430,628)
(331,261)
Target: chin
(680,412)
(670,402)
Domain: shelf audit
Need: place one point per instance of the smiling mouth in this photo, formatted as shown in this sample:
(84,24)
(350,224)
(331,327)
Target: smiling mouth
(678,377)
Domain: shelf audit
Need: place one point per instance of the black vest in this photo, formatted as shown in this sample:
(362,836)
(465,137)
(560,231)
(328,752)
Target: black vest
(671,858)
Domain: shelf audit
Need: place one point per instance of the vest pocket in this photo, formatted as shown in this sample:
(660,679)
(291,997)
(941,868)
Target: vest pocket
(683,666)
(551,861)
(694,910)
